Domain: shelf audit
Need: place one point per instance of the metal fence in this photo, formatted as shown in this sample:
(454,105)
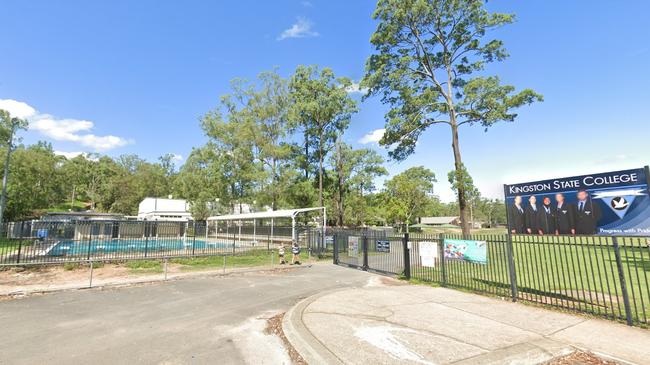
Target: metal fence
(43,242)
(603,276)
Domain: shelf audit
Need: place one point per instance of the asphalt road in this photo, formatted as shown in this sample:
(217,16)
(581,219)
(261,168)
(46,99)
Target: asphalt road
(197,321)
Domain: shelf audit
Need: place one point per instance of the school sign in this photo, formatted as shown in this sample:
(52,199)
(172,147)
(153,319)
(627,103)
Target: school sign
(610,203)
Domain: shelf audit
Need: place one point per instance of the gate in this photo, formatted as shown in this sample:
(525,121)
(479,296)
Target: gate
(603,276)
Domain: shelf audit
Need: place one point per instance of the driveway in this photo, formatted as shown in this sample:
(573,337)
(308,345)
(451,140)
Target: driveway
(199,320)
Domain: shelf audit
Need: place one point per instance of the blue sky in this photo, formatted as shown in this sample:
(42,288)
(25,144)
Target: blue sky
(135,76)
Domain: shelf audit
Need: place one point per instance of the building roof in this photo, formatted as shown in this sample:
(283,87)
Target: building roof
(438,220)
(284,213)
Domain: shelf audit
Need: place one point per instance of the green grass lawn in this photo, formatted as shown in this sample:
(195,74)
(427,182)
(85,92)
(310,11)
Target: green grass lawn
(248,259)
(10,246)
(65,206)
(558,272)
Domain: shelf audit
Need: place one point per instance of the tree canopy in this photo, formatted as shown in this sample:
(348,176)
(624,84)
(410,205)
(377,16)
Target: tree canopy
(429,67)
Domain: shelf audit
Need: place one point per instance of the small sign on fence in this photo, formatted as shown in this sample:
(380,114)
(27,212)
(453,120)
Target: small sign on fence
(353,246)
(383,246)
(466,250)
(428,253)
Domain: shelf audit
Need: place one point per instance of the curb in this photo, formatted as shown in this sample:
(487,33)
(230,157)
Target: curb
(145,281)
(302,340)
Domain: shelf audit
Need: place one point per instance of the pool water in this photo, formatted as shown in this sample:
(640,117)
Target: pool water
(125,245)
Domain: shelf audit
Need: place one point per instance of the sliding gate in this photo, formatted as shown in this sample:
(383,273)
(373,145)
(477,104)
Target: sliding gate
(379,251)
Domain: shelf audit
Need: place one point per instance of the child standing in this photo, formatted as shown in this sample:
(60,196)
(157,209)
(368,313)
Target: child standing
(281,254)
(295,250)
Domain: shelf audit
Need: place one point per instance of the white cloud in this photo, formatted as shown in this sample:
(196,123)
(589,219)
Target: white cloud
(372,136)
(176,157)
(307,4)
(66,130)
(68,155)
(301,29)
(17,109)
(355,88)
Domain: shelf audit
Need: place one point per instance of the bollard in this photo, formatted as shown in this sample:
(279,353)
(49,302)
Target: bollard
(224,264)
(165,268)
(272,258)
(90,280)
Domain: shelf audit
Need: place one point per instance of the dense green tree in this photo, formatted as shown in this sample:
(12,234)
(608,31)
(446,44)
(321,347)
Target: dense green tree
(429,67)
(230,131)
(321,106)
(270,131)
(355,172)
(9,126)
(35,182)
(408,194)
(464,182)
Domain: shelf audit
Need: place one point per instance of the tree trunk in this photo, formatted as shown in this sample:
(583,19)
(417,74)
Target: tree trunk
(320,170)
(458,165)
(274,188)
(5,176)
(339,166)
(306,163)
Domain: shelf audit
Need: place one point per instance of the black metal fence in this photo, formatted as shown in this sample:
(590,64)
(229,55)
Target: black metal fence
(603,276)
(43,242)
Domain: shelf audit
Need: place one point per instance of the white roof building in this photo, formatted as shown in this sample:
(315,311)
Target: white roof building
(159,209)
(438,221)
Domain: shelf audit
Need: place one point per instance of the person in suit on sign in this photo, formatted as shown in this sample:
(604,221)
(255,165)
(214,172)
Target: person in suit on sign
(547,222)
(517,217)
(587,214)
(565,214)
(532,216)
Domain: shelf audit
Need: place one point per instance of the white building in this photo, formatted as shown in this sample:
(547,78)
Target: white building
(159,209)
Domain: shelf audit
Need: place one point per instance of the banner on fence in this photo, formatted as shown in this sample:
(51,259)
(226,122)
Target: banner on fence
(353,246)
(428,253)
(383,246)
(610,203)
(466,250)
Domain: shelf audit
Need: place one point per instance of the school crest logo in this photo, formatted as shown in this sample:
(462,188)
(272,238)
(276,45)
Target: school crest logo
(619,201)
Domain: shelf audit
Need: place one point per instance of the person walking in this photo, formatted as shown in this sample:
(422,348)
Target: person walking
(281,254)
(295,250)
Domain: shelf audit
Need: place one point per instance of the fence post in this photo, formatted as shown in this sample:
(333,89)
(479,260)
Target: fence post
(407,256)
(20,241)
(441,254)
(147,231)
(193,238)
(90,241)
(336,249)
(621,278)
(90,279)
(511,267)
(364,248)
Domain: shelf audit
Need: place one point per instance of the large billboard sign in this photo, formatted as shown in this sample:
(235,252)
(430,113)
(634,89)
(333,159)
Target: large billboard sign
(611,203)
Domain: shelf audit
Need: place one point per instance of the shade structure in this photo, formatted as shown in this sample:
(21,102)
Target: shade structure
(284,213)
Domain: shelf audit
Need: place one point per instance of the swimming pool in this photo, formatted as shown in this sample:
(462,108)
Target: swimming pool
(137,245)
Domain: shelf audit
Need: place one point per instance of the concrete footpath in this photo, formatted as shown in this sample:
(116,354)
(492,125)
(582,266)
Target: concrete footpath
(388,322)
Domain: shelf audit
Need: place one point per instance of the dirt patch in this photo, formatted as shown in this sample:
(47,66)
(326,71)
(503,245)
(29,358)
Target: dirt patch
(580,358)
(34,275)
(274,327)
(392,282)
